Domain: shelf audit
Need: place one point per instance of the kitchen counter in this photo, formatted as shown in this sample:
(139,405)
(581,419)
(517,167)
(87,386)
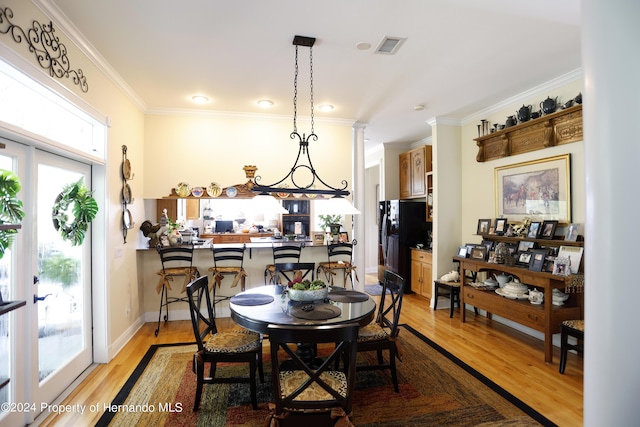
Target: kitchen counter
(259,253)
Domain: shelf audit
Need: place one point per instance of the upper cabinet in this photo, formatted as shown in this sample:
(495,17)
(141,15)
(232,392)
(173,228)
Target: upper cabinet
(414,166)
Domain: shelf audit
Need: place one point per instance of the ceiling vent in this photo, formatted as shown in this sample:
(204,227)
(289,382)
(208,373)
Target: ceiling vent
(390,45)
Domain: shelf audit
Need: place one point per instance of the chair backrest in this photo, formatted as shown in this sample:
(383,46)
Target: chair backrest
(228,256)
(287,252)
(388,315)
(289,270)
(340,252)
(175,256)
(203,324)
(341,339)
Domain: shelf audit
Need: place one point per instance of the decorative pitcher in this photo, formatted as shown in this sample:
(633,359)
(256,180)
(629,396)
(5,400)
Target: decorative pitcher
(503,279)
(524,113)
(511,121)
(549,105)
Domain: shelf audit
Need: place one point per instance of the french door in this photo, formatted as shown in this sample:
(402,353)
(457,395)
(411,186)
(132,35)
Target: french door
(54,277)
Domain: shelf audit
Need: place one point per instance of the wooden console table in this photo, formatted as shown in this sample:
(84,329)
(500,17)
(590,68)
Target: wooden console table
(545,318)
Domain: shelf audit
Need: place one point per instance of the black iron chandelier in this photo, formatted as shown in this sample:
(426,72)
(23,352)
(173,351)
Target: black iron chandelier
(307,181)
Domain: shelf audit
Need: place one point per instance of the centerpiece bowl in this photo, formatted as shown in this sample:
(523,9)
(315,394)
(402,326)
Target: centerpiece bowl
(299,290)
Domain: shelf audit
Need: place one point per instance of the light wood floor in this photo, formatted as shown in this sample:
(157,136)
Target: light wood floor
(513,360)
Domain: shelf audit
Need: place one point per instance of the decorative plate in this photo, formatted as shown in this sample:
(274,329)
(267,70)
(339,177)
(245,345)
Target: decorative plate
(214,189)
(231,192)
(126,194)
(126,169)
(183,189)
(127,220)
(197,191)
(501,292)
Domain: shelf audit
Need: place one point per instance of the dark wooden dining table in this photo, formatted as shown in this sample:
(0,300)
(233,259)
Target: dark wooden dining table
(282,311)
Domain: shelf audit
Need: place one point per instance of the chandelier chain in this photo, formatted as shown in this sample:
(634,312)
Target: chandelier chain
(295,93)
(311,78)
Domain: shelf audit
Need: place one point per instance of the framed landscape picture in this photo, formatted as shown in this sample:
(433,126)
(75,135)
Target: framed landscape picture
(539,187)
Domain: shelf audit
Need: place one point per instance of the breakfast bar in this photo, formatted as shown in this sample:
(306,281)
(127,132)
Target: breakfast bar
(258,254)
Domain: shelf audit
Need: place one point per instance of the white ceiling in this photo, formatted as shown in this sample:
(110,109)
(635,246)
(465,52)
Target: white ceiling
(459,57)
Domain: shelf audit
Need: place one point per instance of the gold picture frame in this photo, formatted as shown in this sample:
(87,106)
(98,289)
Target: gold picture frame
(318,238)
(539,188)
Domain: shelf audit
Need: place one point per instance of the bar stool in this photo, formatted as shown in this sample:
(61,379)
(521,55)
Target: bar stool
(227,261)
(340,259)
(282,253)
(453,292)
(573,328)
(176,261)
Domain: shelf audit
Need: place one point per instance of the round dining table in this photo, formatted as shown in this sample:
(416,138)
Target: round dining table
(257,308)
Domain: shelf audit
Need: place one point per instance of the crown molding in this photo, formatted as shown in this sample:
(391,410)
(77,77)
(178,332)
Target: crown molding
(75,36)
(544,88)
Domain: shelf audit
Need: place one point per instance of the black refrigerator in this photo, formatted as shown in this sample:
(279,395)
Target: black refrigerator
(401,225)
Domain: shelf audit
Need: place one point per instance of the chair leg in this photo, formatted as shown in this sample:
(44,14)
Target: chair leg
(394,374)
(563,350)
(163,296)
(435,302)
(451,301)
(199,385)
(252,386)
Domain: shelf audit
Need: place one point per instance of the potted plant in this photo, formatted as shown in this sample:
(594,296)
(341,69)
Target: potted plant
(332,222)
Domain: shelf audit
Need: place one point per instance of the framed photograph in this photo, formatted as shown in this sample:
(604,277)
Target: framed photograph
(483,226)
(548,263)
(525,245)
(501,226)
(571,235)
(561,267)
(573,255)
(538,257)
(524,259)
(539,187)
(548,229)
(343,237)
(479,252)
(488,244)
(462,251)
(470,247)
(534,230)
(318,237)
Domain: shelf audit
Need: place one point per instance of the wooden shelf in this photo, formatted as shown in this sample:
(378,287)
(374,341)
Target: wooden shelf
(561,127)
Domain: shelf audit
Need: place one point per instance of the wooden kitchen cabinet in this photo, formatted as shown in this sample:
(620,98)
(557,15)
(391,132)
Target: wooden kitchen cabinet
(414,165)
(192,208)
(421,272)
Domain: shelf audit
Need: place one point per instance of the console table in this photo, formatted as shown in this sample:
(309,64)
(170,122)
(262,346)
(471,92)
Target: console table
(545,317)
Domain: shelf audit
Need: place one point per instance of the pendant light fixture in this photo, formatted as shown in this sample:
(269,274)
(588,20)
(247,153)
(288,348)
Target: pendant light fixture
(302,177)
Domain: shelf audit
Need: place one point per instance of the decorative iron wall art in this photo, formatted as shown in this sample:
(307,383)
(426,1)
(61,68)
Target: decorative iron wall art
(50,53)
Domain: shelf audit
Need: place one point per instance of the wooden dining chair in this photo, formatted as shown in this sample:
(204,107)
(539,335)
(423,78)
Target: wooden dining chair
(177,261)
(340,256)
(290,270)
(227,261)
(282,253)
(312,390)
(236,346)
(381,334)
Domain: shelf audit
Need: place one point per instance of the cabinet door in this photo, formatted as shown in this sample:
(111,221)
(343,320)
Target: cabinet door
(416,276)
(193,208)
(171,205)
(418,178)
(405,175)
(426,283)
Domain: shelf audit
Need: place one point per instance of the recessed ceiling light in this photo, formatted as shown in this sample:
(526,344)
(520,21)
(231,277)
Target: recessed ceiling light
(418,107)
(390,45)
(265,103)
(199,99)
(363,46)
(326,108)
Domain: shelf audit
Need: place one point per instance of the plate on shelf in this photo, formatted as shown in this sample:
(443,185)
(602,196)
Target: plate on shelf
(502,293)
(197,191)
(214,189)
(183,189)
(231,192)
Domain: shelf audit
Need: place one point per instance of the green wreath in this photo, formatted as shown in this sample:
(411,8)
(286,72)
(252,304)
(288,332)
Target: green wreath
(84,210)
(10,208)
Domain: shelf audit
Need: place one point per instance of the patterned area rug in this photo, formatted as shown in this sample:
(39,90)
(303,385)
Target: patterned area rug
(436,389)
